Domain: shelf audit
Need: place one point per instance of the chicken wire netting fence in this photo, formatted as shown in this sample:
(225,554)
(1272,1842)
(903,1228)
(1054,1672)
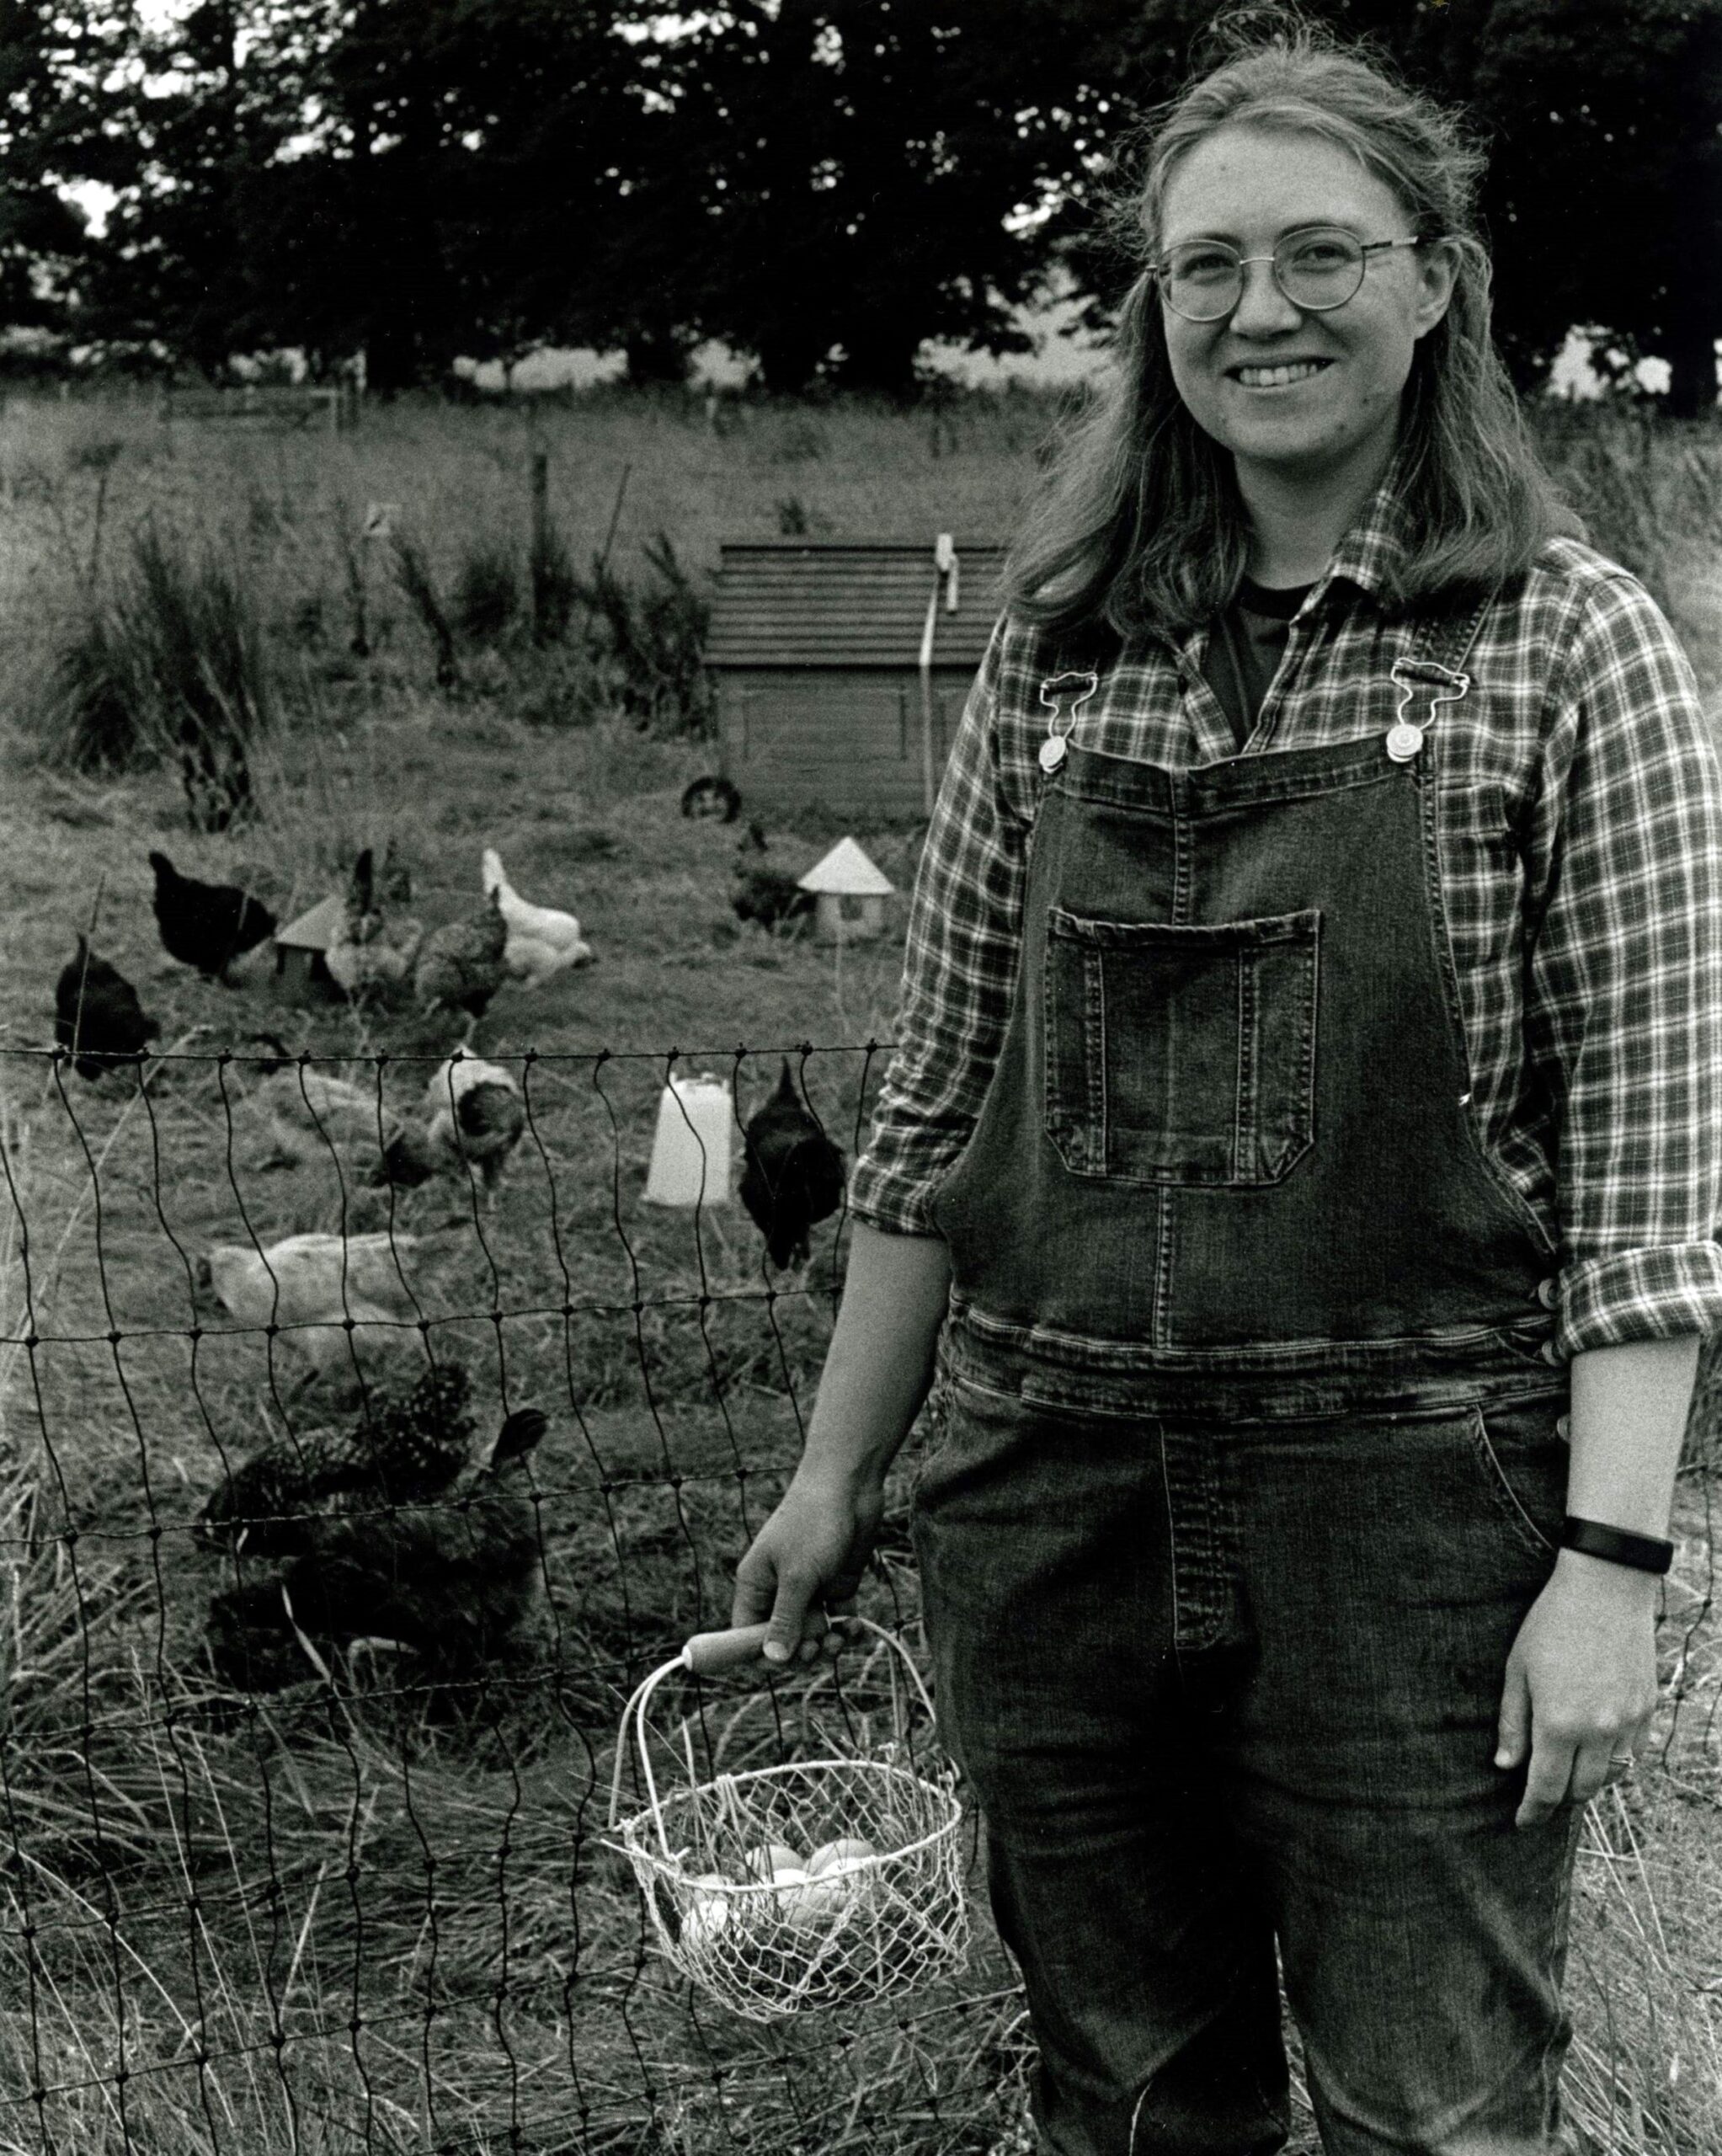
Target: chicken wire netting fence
(366,1436)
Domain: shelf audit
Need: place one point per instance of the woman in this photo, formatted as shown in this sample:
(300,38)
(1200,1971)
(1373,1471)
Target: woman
(1305,1111)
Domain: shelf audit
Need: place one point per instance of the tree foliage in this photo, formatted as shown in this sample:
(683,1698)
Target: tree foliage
(54,62)
(1606,195)
(823,183)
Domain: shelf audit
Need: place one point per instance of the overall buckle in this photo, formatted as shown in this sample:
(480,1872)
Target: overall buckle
(1405,736)
(1084,681)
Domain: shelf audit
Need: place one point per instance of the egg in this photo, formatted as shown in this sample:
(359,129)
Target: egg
(850,1850)
(708,1913)
(770,1857)
(833,1892)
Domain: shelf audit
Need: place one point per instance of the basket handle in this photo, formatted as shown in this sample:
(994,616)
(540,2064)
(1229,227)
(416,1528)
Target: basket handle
(707,1653)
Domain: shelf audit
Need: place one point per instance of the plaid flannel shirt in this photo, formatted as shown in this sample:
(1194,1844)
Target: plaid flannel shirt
(1580,821)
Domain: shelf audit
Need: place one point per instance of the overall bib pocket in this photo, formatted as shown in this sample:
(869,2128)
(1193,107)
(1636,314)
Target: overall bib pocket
(1181,1052)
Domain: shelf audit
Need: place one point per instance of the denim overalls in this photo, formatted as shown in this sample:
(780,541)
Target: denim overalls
(1249,1470)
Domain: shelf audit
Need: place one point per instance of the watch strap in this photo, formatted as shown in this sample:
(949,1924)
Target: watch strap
(1644,1553)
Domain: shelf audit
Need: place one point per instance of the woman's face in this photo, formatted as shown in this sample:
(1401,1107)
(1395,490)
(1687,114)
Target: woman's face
(1338,411)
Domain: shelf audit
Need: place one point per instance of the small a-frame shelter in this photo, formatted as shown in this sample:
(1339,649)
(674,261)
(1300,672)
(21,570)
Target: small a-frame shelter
(300,964)
(851,890)
(842,667)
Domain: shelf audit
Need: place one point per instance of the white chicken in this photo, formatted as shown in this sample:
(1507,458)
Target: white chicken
(311,1285)
(477,1113)
(541,940)
(313,1115)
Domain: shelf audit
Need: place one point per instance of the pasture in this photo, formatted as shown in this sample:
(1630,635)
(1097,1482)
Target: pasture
(367,1903)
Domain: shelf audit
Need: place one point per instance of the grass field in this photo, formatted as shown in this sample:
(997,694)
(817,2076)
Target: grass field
(379,1913)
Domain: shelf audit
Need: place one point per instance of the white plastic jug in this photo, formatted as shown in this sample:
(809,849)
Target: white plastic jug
(691,1148)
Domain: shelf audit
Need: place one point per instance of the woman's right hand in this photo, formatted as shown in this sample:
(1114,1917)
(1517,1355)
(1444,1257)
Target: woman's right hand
(807,1560)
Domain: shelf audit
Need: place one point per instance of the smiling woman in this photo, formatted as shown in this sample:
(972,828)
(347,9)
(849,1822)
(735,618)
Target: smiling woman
(1304,390)
(1301,1156)
(1163,538)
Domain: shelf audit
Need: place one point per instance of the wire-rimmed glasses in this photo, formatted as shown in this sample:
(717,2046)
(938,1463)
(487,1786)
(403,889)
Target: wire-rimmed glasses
(1317,270)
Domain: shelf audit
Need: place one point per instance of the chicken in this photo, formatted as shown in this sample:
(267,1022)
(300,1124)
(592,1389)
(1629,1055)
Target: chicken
(206,925)
(452,1581)
(462,966)
(764,894)
(715,797)
(793,1174)
(373,955)
(313,1115)
(541,941)
(400,1452)
(313,1284)
(96,1015)
(477,1113)
(394,879)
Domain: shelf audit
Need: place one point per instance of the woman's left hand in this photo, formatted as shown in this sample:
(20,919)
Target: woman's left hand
(1580,1683)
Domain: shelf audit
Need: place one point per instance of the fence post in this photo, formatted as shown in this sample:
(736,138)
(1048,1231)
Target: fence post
(541,538)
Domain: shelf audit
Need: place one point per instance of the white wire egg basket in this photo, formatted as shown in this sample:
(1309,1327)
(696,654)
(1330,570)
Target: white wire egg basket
(822,1882)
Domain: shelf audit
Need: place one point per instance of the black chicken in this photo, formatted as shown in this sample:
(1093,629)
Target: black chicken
(762,893)
(793,1174)
(98,1014)
(452,1579)
(400,1452)
(206,925)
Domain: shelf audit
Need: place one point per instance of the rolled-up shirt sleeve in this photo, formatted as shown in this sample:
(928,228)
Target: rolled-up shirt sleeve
(1623,1005)
(959,972)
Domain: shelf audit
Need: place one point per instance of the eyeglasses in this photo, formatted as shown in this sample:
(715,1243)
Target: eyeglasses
(1318,270)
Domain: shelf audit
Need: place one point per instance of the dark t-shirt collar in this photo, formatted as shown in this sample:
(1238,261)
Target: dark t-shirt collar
(1278,604)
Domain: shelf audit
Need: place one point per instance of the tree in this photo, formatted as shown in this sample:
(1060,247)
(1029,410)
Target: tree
(1603,197)
(197,108)
(823,183)
(56,128)
(1606,180)
(847,169)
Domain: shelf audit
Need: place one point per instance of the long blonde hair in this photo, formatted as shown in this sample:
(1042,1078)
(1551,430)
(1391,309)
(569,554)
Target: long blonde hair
(1141,524)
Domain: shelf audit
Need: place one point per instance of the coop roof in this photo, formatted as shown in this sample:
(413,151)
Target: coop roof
(848,602)
(847,873)
(314,930)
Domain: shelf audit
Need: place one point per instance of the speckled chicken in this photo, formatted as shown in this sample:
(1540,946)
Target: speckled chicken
(477,1114)
(461,966)
(394,879)
(96,1013)
(452,1580)
(793,1174)
(374,951)
(399,1451)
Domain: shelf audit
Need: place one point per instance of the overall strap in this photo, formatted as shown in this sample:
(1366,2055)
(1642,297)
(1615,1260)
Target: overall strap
(1443,639)
(1429,674)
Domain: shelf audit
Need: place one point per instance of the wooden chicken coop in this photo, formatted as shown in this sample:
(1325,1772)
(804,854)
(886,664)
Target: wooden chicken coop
(842,667)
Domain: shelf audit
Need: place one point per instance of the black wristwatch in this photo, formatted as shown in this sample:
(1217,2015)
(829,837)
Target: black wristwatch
(1644,1553)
